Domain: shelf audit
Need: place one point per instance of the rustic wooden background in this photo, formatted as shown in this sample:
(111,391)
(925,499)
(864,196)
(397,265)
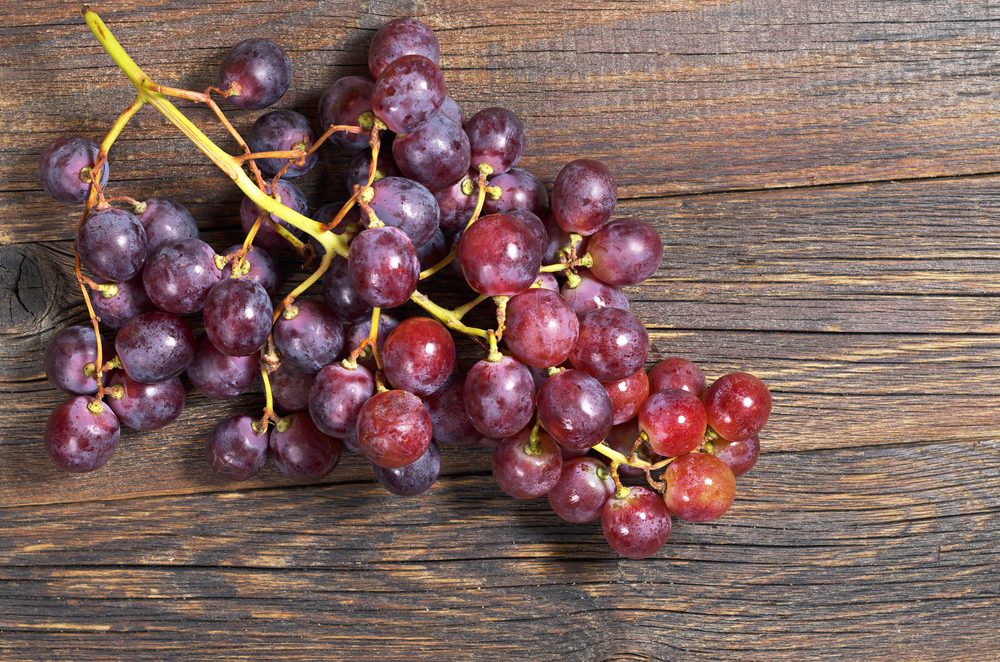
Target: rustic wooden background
(825,177)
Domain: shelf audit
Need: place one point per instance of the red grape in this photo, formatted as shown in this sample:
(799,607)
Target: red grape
(451,422)
(384,267)
(627,395)
(455,205)
(636,525)
(407,93)
(591,293)
(236,449)
(583,196)
(257,71)
(675,372)
(436,154)
(674,421)
(407,205)
(584,486)
(290,388)
(340,294)
(738,406)
(237,316)
(450,109)
(575,409)
(77,439)
(700,487)
(178,276)
(519,189)
(64,168)
(130,300)
(361,329)
(309,335)
(66,359)
(612,344)
(112,244)
(522,471)
(220,376)
(622,438)
(499,256)
(341,104)
(394,429)
(166,220)
(154,347)
(300,450)
(416,477)
(279,131)
(499,396)
(433,250)
(739,456)
(419,355)
(336,397)
(146,406)
(399,37)
(541,328)
(357,169)
(496,137)
(625,252)
(260,268)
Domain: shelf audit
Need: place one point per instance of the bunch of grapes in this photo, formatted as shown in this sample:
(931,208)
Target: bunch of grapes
(561,396)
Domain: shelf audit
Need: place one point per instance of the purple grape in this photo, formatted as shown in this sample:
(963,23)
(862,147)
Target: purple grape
(419,355)
(625,252)
(433,250)
(399,37)
(583,196)
(534,224)
(455,205)
(436,154)
(309,335)
(446,406)
(64,168)
(524,472)
(584,486)
(260,267)
(415,478)
(166,220)
(236,450)
(556,239)
(541,328)
(340,294)
(499,397)
(450,109)
(267,237)
(112,244)
(407,205)
(546,281)
(499,256)
(146,406)
(220,376)
(336,397)
(519,190)
(77,439)
(636,525)
(129,301)
(357,169)
(675,372)
(627,395)
(257,71)
(384,267)
(496,137)
(300,450)
(612,344)
(341,104)
(575,409)
(280,131)
(178,276)
(67,358)
(622,438)
(154,347)
(358,331)
(407,93)
(394,429)
(739,456)
(290,388)
(237,316)
(328,212)
(591,294)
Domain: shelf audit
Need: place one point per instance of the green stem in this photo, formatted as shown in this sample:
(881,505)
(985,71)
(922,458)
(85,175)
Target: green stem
(445,316)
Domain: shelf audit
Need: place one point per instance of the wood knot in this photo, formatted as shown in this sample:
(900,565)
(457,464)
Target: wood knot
(24,297)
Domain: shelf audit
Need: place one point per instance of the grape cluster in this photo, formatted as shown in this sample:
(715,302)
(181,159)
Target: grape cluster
(561,396)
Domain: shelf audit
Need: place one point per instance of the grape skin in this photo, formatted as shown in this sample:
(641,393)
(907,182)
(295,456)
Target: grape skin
(154,347)
(499,256)
(60,168)
(541,328)
(165,219)
(450,421)
(237,316)
(499,396)
(523,473)
(146,406)
(66,357)
(591,294)
(394,429)
(433,250)
(179,275)
(129,301)
(236,450)
(583,196)
(575,409)
(612,344)
(384,267)
(627,395)
(407,205)
(738,406)
(290,388)
(341,104)
(219,376)
(674,421)
(637,525)
(357,169)
(112,244)
(416,477)
(279,131)
(419,355)
(456,207)
(300,450)
(739,456)
(496,137)
(361,329)
(679,373)
(260,69)
(78,440)
(436,154)
(399,37)
(341,295)
(625,252)
(700,487)
(519,190)
(310,339)
(262,268)
(407,93)
(450,109)
(336,397)
(267,237)
(584,486)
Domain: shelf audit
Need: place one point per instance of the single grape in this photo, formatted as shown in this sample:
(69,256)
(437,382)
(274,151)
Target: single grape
(738,406)
(621,438)
(237,448)
(130,300)
(70,360)
(341,104)
(360,165)
(584,486)
(280,131)
(407,205)
(290,388)
(627,395)
(499,256)
(65,166)
(541,328)
(575,409)
(384,267)
(555,239)
(451,423)
(450,109)
(496,137)
(237,316)
(178,276)
(267,237)
(220,376)
(255,74)
(79,440)
(419,355)
(547,281)
(700,487)
(112,244)
(612,344)
(258,266)
(583,196)
(739,456)
(416,477)
(499,396)
(336,397)
(341,295)
(524,470)
(407,93)
(166,220)
(674,421)
(519,189)
(433,250)
(300,450)
(399,37)
(636,525)
(309,335)
(394,429)
(436,154)
(154,347)
(675,372)
(625,252)
(146,406)
(456,205)
(361,330)
(591,294)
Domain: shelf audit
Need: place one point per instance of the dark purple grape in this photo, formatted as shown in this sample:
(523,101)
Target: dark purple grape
(407,93)
(394,429)
(129,301)
(259,267)
(340,294)
(349,221)
(178,276)
(446,406)
(350,442)
(436,154)
(290,388)
(237,316)
(625,252)
(384,267)
(637,525)
(499,256)
(70,356)
(336,397)
(556,239)
(309,335)
(399,37)
(358,168)
(407,205)
(496,137)
(583,196)
(360,330)
(675,372)
(499,397)
(612,344)
(541,328)
(166,220)
(627,395)
(77,439)
(257,72)
(622,438)
(415,478)
(341,104)
(154,347)
(584,486)
(280,131)
(267,237)
(146,406)
(700,487)
(524,471)
(419,355)
(433,250)
(674,422)
(220,376)
(547,281)
(456,206)
(112,244)
(236,449)
(300,450)
(575,409)
(591,294)
(739,456)
(519,190)
(738,406)
(64,168)
(450,109)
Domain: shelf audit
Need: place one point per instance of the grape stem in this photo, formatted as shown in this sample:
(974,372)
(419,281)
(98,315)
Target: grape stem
(370,341)
(463,310)
(447,317)
(585,261)
(484,171)
(268,414)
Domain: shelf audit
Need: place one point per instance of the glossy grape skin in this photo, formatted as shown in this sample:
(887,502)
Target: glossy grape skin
(674,421)
(178,276)
(451,423)
(555,239)
(66,358)
(525,474)
(165,219)
(407,205)
(394,429)
(262,268)
(456,207)
(146,406)
(575,409)
(621,438)
(584,486)
(738,406)
(636,526)
(627,395)
(407,93)
(679,373)
(260,69)
(416,477)
(450,109)
(625,252)
(583,196)
(384,267)
(236,451)
(129,301)
(112,245)
(700,487)
(357,169)
(612,344)
(310,339)
(534,225)
(267,237)
(336,398)
(418,355)
(341,104)
(279,131)
(300,450)
(498,255)
(739,456)
(78,440)
(591,294)
(541,328)
(237,316)
(436,154)
(400,37)
(433,250)
(499,397)
(154,347)
(341,295)
(496,138)
(549,282)
(519,190)
(60,168)
(290,388)
(219,376)
(358,331)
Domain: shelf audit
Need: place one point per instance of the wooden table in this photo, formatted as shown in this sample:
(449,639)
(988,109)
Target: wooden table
(825,177)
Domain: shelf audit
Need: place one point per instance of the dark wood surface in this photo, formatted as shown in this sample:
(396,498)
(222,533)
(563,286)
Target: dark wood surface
(825,177)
